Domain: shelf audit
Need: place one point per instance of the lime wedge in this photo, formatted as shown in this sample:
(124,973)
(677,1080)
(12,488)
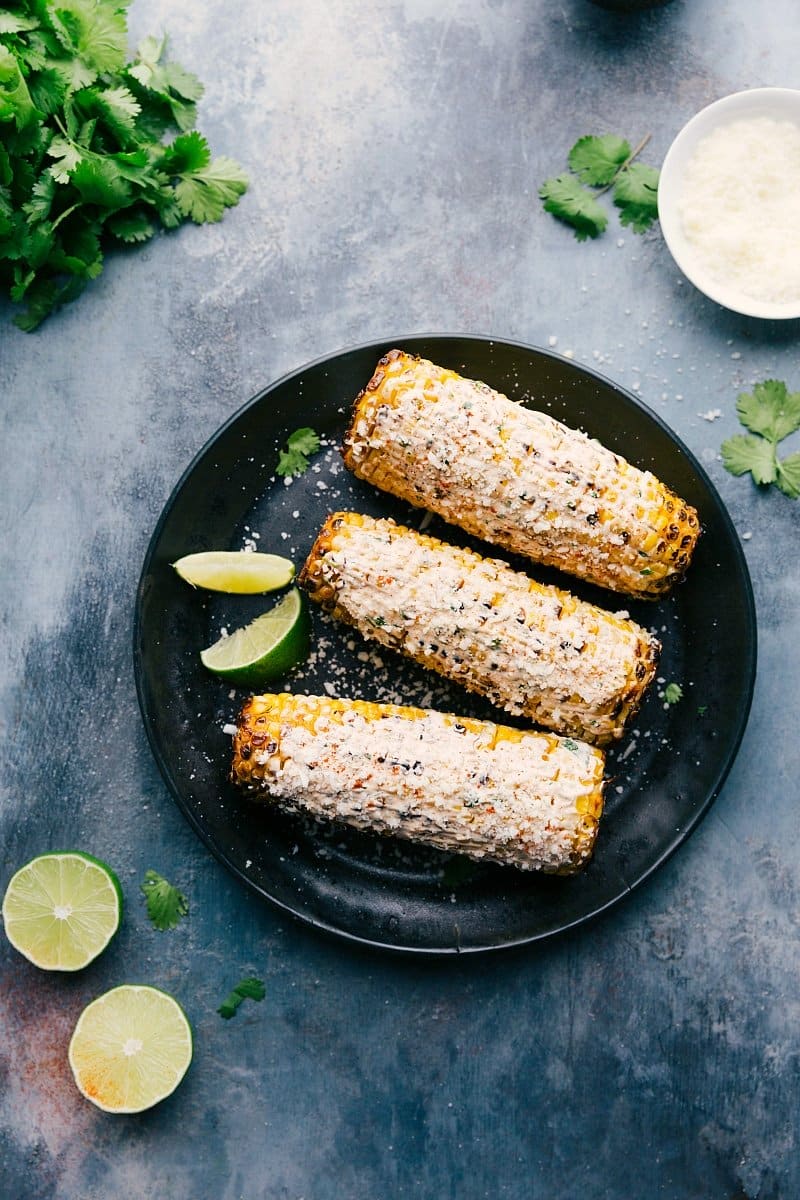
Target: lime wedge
(264,649)
(235,571)
(61,910)
(131,1048)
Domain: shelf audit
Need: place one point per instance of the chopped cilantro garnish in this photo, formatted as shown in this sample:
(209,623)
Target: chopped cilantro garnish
(293,459)
(246,989)
(165,904)
(673,692)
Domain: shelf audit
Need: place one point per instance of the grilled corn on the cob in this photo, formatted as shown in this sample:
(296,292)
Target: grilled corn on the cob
(534,650)
(531,800)
(517,478)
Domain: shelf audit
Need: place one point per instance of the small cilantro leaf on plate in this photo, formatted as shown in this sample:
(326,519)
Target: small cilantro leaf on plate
(673,692)
(165,904)
(569,201)
(246,989)
(293,459)
(596,160)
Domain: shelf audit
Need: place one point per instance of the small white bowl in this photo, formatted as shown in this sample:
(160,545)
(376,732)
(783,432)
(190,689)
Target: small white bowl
(780,104)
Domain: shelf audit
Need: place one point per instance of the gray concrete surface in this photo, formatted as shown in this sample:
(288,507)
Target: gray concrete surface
(394,152)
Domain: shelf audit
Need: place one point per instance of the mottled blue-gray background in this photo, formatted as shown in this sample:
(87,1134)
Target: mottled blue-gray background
(394,151)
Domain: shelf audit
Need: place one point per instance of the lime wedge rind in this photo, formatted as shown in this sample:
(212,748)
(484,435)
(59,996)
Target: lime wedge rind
(237,572)
(266,648)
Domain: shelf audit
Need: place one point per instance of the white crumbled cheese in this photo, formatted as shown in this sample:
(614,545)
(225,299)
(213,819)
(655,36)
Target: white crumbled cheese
(713,414)
(525,798)
(739,207)
(230,730)
(532,650)
(518,478)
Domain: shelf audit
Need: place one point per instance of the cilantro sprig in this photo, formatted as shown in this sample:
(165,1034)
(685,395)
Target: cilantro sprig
(246,989)
(605,163)
(771,412)
(294,457)
(83,161)
(166,906)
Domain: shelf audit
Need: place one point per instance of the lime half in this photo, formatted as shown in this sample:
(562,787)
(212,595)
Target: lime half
(265,648)
(131,1048)
(62,909)
(235,571)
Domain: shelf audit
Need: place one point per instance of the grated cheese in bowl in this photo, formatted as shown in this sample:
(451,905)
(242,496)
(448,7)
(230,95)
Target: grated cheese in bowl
(729,202)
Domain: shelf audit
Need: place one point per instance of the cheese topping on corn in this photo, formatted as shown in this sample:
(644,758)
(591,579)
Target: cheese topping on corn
(529,799)
(517,477)
(533,650)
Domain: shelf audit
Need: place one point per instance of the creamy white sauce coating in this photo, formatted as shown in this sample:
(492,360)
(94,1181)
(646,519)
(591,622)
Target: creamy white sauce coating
(510,474)
(432,780)
(563,663)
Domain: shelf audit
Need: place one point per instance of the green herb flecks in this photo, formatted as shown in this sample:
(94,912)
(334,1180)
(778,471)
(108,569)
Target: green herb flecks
(83,161)
(605,163)
(294,457)
(771,412)
(673,692)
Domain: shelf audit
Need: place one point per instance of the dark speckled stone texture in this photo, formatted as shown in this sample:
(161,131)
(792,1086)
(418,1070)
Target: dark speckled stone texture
(394,151)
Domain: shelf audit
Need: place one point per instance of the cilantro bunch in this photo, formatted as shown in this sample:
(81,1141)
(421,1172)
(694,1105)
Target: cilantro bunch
(771,412)
(82,155)
(606,163)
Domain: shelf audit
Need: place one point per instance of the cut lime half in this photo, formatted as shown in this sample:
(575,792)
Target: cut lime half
(266,648)
(62,909)
(236,571)
(131,1048)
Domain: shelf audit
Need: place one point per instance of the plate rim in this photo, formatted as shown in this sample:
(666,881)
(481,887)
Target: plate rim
(380,346)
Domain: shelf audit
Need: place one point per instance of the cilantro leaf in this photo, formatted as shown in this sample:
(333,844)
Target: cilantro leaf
(293,460)
(204,194)
(770,410)
(189,152)
(67,155)
(673,692)
(743,453)
(15,100)
(246,989)
(94,32)
(98,180)
(789,476)
(636,196)
(596,160)
(566,199)
(165,904)
(131,225)
(82,158)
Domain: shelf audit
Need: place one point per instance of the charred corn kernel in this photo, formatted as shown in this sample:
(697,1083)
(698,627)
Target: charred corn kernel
(535,651)
(530,800)
(517,478)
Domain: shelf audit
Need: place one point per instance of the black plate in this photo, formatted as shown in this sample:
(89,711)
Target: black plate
(665,775)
